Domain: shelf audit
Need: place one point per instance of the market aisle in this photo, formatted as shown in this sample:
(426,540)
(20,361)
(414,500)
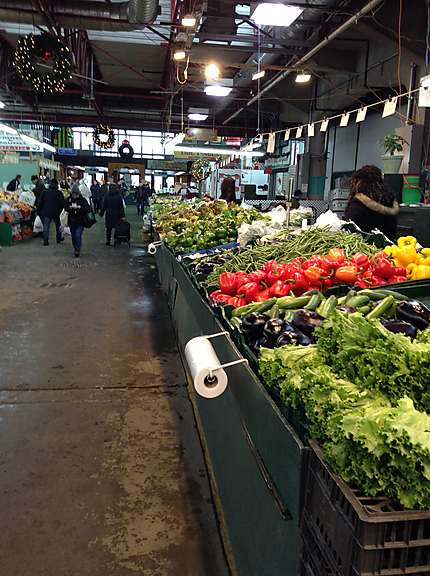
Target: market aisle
(101,470)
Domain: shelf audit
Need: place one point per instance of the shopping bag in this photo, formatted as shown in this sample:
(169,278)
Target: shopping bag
(38,225)
(66,231)
(64,219)
(89,219)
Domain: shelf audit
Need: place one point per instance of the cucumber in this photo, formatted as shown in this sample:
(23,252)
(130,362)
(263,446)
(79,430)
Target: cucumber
(364,310)
(341,301)
(381,308)
(236,322)
(314,302)
(274,312)
(288,315)
(327,307)
(395,295)
(243,310)
(372,294)
(263,306)
(293,303)
(359,301)
(350,295)
(311,292)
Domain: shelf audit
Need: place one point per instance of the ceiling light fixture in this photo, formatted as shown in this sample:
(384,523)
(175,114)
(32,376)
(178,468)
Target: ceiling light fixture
(198,114)
(217,90)
(179,55)
(259,75)
(2,105)
(8,129)
(274,14)
(189,21)
(216,151)
(303,77)
(212,71)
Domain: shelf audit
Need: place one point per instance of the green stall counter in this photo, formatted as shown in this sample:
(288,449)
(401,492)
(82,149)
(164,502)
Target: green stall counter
(256,460)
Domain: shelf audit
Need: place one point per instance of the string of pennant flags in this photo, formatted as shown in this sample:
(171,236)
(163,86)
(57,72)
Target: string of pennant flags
(390,108)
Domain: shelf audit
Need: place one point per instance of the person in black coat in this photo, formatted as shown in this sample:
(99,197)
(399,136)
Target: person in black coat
(49,207)
(371,205)
(76,207)
(14,184)
(113,207)
(38,188)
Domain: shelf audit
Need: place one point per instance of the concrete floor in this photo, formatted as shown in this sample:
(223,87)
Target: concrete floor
(101,469)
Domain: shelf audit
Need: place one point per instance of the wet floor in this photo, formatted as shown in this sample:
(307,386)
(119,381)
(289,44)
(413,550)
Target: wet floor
(101,469)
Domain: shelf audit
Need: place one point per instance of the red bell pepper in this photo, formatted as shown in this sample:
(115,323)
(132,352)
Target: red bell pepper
(280,289)
(257,276)
(219,298)
(361,261)
(228,283)
(346,274)
(275,273)
(248,291)
(263,295)
(383,266)
(396,279)
(400,271)
(300,284)
(236,302)
(241,278)
(269,265)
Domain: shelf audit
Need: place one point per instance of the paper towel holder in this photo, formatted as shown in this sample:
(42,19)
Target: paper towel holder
(152,248)
(211,380)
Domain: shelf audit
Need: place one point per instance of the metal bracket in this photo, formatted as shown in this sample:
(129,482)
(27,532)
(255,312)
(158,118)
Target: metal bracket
(152,248)
(227,364)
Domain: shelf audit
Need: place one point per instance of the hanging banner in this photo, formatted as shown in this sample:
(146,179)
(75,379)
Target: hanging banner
(287,134)
(13,143)
(344,121)
(299,132)
(311,130)
(271,143)
(361,115)
(324,125)
(390,107)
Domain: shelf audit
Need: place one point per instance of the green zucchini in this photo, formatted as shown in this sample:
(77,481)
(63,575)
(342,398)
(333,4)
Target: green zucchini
(314,302)
(381,308)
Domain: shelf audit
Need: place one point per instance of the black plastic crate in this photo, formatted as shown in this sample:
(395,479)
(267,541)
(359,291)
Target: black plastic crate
(313,559)
(362,536)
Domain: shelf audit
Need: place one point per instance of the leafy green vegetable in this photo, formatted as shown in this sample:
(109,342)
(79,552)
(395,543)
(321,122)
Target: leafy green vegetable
(374,358)
(376,447)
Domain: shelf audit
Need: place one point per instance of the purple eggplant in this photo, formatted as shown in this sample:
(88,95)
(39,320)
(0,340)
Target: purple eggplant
(413,312)
(306,321)
(400,327)
(272,330)
(253,325)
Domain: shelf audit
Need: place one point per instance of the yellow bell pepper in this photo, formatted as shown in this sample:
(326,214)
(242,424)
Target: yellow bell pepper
(405,255)
(425,251)
(388,250)
(406,241)
(419,272)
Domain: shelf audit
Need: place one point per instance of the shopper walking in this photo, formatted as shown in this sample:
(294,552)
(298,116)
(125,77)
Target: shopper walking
(113,207)
(14,184)
(95,195)
(371,205)
(49,208)
(77,207)
(38,188)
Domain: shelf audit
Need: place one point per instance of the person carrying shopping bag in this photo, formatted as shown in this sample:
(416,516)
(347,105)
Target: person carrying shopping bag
(77,208)
(49,207)
(113,207)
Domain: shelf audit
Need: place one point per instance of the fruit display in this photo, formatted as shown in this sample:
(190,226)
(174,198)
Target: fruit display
(186,228)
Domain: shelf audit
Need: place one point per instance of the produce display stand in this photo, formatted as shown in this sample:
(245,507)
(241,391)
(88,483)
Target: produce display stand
(255,459)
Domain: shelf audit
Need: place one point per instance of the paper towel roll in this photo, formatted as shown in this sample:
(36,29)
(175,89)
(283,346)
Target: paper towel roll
(152,249)
(201,357)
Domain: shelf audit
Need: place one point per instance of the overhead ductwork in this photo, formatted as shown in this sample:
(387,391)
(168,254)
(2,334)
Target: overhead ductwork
(122,16)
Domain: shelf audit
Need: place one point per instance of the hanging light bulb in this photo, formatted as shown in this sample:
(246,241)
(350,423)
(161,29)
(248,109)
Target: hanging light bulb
(212,71)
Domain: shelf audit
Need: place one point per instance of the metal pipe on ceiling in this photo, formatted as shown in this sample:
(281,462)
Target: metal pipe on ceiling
(130,15)
(342,28)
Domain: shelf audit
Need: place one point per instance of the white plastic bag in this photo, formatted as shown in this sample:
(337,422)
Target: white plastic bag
(330,219)
(64,219)
(38,225)
(66,231)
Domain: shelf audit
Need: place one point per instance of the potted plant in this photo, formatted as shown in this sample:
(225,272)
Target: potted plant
(393,145)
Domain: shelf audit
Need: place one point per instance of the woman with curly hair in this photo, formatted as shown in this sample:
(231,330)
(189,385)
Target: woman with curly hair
(371,205)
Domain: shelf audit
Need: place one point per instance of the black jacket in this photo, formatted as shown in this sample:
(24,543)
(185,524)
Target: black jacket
(38,190)
(368,220)
(76,215)
(13,185)
(113,207)
(50,203)
(95,192)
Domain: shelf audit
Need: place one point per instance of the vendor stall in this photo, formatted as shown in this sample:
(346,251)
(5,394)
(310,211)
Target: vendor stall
(311,401)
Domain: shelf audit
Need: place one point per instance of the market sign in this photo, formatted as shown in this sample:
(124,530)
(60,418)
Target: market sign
(190,155)
(200,135)
(13,143)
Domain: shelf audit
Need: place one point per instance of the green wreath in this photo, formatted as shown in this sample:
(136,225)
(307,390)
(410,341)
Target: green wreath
(200,169)
(32,51)
(109,137)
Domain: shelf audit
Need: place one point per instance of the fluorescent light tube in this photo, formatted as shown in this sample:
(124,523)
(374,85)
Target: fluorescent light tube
(8,129)
(258,75)
(218,90)
(189,21)
(197,117)
(215,151)
(303,77)
(179,55)
(273,14)
(2,105)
